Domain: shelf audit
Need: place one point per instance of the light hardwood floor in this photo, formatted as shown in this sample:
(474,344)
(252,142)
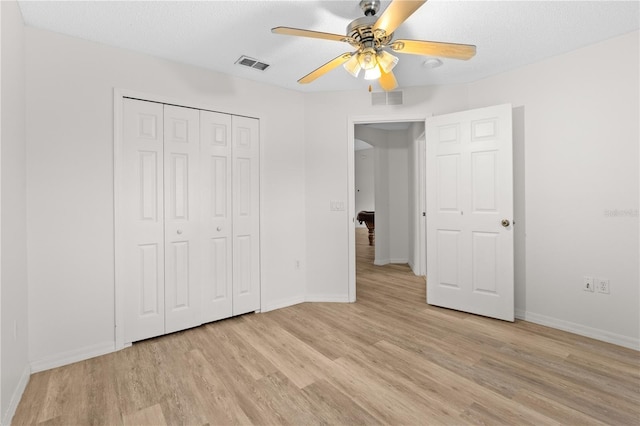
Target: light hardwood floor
(387,359)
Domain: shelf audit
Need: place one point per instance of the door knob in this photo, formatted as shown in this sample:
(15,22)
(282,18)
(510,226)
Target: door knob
(179,231)
(219,228)
(505,223)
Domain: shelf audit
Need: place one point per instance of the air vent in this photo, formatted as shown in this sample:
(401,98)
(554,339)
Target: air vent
(386,98)
(252,63)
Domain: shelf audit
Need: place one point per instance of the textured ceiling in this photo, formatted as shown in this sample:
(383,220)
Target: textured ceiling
(213,34)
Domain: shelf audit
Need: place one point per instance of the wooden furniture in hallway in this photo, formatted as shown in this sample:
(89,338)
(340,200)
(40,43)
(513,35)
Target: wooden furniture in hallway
(369,220)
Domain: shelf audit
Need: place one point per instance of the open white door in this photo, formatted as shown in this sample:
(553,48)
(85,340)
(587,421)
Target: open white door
(470,212)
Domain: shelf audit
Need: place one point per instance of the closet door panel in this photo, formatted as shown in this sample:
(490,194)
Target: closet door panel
(217,284)
(142,220)
(246,217)
(182,217)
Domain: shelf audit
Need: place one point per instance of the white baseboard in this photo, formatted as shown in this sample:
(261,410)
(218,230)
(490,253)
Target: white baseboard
(70,357)
(330,298)
(279,304)
(381,262)
(582,330)
(17,395)
(403,260)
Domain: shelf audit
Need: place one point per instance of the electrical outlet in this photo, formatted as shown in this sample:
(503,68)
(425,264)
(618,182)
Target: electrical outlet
(602,285)
(587,284)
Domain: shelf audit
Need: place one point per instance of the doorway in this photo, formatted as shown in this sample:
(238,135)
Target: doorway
(397,154)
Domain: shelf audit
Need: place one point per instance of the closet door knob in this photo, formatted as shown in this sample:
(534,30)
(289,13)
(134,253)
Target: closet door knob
(179,231)
(219,228)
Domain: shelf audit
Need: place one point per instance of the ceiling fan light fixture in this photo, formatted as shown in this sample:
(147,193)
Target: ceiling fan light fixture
(386,61)
(353,66)
(372,73)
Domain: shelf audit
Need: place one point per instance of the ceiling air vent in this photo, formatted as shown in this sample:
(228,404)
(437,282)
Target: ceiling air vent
(252,63)
(386,98)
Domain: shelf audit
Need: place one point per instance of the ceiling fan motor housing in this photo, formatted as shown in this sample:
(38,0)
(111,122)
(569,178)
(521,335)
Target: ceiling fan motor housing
(361,30)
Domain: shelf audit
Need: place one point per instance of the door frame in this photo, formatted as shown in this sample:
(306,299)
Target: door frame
(118,96)
(351,193)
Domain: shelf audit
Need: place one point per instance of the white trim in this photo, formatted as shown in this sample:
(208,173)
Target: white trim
(381,262)
(284,303)
(72,356)
(351,196)
(582,330)
(118,97)
(328,298)
(17,395)
(400,261)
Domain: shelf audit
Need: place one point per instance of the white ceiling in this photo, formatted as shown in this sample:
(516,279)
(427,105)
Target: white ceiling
(213,34)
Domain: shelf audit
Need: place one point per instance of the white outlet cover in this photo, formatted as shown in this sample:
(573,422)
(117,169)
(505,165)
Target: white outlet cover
(602,286)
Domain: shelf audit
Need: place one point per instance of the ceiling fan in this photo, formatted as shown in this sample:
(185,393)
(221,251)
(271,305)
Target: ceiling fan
(373,39)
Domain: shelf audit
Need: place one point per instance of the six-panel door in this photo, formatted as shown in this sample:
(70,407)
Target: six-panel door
(142,220)
(246,221)
(469,194)
(181,218)
(217,236)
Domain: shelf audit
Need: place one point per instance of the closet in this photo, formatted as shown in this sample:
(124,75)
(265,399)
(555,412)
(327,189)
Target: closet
(189,217)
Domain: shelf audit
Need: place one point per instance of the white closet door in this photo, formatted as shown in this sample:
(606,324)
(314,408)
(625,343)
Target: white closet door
(142,220)
(181,218)
(246,216)
(217,255)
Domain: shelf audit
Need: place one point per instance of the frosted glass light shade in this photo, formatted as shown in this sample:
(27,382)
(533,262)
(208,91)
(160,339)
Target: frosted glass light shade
(386,61)
(352,66)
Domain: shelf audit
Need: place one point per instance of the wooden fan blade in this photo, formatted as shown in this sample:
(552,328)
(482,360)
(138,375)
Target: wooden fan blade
(394,15)
(434,48)
(312,34)
(318,72)
(387,81)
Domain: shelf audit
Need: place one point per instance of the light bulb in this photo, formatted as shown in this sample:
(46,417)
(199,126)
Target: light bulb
(372,73)
(367,59)
(352,66)
(386,61)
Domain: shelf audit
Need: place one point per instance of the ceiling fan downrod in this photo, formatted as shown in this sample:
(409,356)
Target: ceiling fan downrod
(370,7)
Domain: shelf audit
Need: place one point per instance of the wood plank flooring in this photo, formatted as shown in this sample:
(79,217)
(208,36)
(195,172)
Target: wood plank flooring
(387,359)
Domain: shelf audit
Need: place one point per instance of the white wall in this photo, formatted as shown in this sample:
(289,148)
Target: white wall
(364,172)
(416,196)
(578,125)
(14,366)
(575,159)
(398,196)
(70,215)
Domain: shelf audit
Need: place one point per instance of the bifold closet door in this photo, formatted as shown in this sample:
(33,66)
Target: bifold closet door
(246,214)
(159,219)
(142,219)
(217,266)
(181,218)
